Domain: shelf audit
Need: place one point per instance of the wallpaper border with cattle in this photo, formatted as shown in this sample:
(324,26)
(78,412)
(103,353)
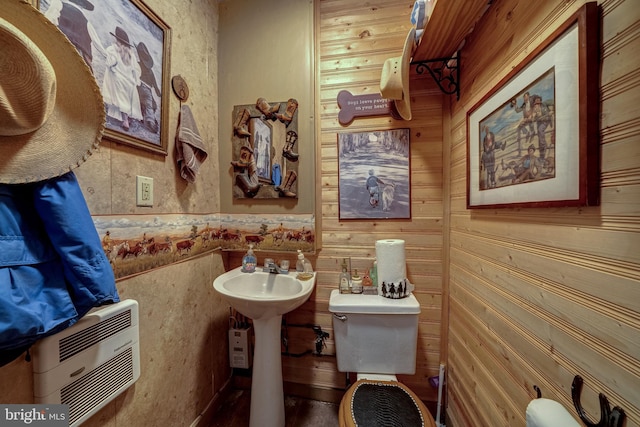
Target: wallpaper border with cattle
(138,243)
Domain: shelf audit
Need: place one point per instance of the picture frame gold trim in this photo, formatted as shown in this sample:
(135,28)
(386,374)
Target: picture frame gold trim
(143,26)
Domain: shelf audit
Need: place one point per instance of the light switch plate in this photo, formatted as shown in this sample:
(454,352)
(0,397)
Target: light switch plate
(144,191)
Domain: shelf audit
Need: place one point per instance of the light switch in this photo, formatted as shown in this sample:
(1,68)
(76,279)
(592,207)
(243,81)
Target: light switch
(144,191)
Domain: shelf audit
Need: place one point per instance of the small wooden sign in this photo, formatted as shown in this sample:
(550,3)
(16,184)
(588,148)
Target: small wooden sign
(352,106)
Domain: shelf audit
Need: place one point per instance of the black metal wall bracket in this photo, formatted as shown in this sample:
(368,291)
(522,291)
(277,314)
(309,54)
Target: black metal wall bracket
(608,417)
(445,71)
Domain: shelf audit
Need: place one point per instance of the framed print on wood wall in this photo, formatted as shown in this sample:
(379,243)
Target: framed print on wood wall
(127,47)
(533,140)
(373,174)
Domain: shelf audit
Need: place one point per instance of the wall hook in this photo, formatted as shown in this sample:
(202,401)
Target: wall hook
(538,391)
(608,417)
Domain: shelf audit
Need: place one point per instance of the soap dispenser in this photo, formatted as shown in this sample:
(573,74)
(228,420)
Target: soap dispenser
(303,265)
(300,262)
(249,261)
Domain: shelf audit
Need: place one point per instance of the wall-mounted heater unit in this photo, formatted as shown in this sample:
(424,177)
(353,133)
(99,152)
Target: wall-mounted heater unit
(90,363)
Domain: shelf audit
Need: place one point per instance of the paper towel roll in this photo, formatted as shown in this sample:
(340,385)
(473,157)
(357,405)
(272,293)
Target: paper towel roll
(392,267)
(548,413)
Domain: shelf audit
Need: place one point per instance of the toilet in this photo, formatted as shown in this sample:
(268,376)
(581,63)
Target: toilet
(376,338)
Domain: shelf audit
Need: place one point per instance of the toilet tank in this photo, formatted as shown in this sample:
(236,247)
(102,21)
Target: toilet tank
(374,334)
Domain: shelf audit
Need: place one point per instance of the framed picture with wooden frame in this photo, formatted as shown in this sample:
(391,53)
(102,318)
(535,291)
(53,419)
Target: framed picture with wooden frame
(127,47)
(374,174)
(533,140)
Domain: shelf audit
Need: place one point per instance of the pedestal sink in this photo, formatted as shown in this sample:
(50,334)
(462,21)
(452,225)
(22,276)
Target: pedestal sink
(264,298)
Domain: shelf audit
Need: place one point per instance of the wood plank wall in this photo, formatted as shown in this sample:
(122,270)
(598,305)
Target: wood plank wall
(353,39)
(540,295)
(524,297)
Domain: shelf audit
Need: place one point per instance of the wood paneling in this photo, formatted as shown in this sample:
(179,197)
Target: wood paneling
(353,41)
(510,298)
(448,25)
(540,295)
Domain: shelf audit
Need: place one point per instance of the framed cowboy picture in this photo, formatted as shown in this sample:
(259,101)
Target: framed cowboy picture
(126,46)
(533,140)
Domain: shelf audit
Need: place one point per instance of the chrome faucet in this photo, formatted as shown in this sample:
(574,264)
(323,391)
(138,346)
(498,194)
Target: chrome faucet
(271,267)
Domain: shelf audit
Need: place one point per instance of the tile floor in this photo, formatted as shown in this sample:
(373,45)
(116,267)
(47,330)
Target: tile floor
(299,412)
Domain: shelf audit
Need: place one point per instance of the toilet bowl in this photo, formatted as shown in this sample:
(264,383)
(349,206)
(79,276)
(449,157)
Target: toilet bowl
(376,338)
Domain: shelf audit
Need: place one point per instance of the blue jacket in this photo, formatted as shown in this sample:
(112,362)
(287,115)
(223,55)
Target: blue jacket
(53,269)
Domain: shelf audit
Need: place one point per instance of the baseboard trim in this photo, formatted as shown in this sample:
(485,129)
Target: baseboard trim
(206,416)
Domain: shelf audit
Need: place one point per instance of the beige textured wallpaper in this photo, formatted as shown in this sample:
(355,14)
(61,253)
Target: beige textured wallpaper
(267,53)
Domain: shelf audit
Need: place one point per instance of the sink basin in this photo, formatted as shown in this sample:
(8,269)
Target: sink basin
(264,298)
(260,295)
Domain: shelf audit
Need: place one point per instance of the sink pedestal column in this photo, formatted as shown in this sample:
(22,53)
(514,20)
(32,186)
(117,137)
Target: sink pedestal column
(267,395)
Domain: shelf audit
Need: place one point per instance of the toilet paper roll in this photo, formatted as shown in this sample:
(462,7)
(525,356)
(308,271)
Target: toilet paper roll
(390,256)
(549,413)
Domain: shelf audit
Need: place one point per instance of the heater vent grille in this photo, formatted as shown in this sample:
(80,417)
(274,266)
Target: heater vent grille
(95,387)
(74,344)
(89,364)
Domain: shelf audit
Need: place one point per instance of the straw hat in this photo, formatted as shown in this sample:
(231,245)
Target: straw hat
(394,81)
(51,111)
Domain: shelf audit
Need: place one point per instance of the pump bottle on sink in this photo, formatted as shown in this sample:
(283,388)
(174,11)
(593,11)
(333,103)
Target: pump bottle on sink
(249,261)
(303,265)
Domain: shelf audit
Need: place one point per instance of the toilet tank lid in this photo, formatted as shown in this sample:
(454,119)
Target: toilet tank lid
(372,304)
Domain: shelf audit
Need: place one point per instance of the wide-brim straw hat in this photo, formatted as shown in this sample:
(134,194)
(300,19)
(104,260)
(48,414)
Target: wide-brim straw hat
(52,114)
(394,81)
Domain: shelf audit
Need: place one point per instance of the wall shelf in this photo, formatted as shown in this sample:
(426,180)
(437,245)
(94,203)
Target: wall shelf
(450,22)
